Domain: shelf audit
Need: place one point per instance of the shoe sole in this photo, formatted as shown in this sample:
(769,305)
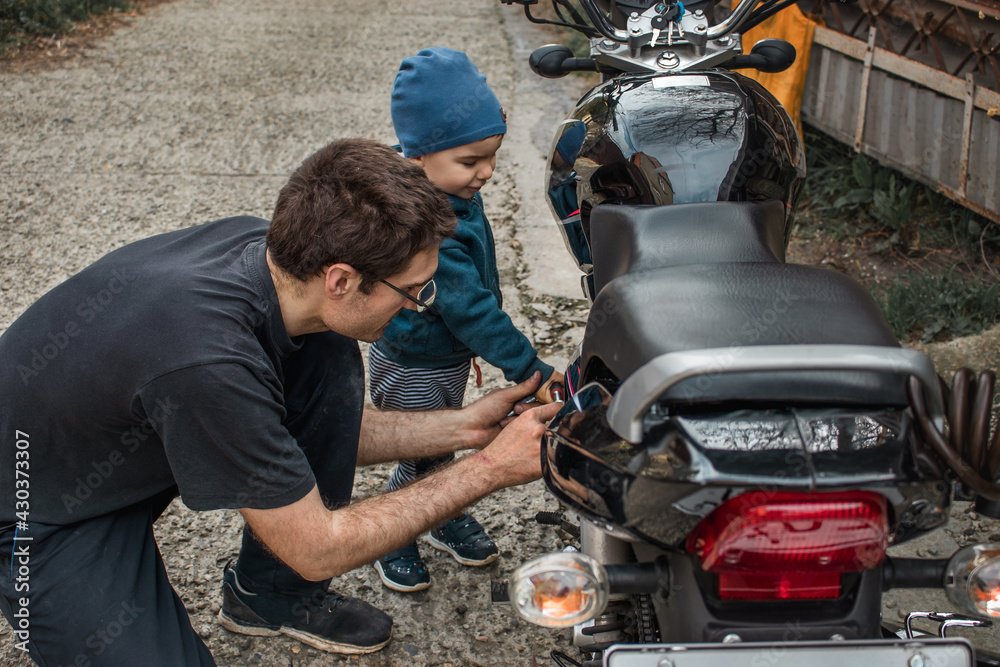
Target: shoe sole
(438,544)
(402,588)
(304,637)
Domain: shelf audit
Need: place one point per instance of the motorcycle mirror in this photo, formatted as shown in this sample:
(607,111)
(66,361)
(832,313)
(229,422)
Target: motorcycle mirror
(548,60)
(767,55)
(778,54)
(555,60)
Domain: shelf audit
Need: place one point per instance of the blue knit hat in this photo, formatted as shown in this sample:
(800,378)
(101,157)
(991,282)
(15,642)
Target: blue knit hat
(440,101)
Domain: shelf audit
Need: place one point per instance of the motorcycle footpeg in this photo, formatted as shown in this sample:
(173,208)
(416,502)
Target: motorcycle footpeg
(558,520)
(549,518)
(499,593)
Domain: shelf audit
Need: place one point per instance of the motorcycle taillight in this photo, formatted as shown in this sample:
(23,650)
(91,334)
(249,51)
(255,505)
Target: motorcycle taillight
(791,546)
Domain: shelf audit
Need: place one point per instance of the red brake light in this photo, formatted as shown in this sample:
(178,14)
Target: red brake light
(781,546)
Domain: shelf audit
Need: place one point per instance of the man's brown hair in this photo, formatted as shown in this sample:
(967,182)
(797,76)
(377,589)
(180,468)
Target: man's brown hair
(356,202)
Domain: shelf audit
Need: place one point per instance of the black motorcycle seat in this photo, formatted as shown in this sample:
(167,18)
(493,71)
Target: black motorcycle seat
(643,314)
(639,238)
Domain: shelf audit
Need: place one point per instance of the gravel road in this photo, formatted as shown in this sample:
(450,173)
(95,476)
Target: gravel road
(199,110)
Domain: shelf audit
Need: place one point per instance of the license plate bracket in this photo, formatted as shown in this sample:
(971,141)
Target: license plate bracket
(924,652)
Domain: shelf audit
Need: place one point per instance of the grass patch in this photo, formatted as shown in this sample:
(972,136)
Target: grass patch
(929,262)
(24,19)
(855,196)
(931,307)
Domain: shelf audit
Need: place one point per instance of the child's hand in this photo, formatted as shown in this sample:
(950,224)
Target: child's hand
(555,381)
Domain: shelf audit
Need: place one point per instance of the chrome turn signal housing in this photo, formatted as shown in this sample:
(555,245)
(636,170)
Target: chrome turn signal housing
(559,590)
(972,580)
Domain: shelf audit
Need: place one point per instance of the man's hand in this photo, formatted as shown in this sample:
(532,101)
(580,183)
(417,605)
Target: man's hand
(388,435)
(489,414)
(513,456)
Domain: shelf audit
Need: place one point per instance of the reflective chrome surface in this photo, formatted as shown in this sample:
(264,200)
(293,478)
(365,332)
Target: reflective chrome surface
(660,489)
(671,138)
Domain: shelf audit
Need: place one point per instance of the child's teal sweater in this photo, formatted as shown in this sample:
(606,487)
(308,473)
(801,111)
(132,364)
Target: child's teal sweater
(467,318)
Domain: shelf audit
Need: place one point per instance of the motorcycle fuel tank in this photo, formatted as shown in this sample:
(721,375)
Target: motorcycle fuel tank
(655,139)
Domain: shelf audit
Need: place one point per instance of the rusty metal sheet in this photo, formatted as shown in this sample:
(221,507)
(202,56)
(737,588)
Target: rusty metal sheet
(984,170)
(945,138)
(958,37)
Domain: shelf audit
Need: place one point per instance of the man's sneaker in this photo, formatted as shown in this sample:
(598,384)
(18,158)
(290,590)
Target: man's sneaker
(466,540)
(403,570)
(334,623)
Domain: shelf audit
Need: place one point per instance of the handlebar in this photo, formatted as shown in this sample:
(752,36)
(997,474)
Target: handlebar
(734,21)
(593,22)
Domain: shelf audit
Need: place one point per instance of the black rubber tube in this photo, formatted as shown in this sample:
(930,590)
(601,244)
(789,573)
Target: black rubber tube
(962,415)
(913,573)
(638,578)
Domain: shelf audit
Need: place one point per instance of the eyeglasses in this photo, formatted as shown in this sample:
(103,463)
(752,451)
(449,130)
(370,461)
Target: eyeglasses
(425,296)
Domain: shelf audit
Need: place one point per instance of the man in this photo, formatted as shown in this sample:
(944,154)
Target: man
(221,363)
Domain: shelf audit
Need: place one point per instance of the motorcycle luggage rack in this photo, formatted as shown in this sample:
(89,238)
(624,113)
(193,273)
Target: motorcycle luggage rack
(643,388)
(947,620)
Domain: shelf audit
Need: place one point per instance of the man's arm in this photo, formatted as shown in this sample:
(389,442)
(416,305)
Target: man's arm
(319,543)
(390,435)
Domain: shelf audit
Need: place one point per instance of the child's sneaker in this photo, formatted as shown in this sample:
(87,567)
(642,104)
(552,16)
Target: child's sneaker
(465,539)
(403,570)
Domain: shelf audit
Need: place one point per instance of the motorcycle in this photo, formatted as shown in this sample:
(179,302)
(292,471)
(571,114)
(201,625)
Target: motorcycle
(742,438)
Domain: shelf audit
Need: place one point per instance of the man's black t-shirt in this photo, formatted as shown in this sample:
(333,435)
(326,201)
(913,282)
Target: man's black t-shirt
(160,365)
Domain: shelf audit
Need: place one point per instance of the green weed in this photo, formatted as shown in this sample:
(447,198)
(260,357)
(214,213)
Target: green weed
(853,196)
(848,196)
(931,307)
(28,18)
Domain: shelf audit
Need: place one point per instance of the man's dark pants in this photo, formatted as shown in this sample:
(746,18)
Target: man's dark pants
(98,589)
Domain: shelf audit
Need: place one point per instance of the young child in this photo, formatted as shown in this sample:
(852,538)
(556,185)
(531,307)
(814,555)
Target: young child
(449,122)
